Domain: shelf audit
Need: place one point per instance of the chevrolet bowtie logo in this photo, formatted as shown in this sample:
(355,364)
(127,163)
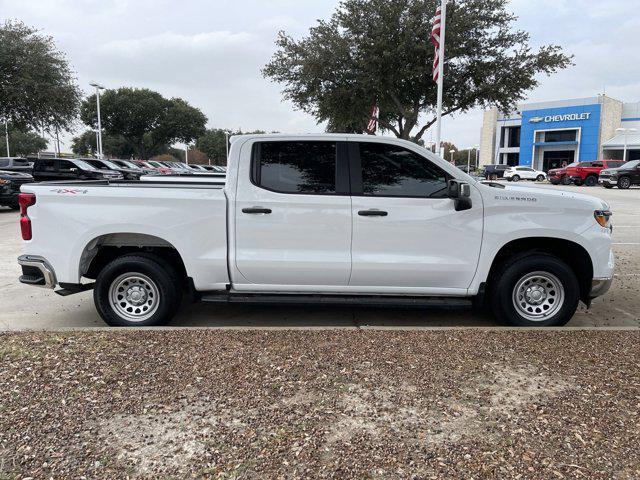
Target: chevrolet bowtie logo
(536,119)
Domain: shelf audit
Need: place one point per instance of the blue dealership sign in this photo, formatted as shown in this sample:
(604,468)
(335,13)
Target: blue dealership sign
(585,117)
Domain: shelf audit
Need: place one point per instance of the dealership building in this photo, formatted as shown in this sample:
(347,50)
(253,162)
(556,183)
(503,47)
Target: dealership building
(549,134)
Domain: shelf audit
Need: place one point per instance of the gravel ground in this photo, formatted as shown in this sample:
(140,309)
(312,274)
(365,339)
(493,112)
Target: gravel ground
(320,404)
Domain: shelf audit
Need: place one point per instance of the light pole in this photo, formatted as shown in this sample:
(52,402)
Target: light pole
(452,151)
(98,87)
(6,134)
(625,131)
(468,160)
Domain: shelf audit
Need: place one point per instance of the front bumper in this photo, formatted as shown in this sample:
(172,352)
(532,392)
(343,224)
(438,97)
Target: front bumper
(36,271)
(600,286)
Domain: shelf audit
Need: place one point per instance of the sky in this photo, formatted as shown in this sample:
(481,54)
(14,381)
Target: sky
(210,52)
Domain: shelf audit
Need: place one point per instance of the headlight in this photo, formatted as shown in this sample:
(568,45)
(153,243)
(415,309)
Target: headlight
(603,217)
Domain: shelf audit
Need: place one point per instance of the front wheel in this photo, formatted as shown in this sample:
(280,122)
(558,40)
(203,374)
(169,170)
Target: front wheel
(540,178)
(535,290)
(624,183)
(137,290)
(578,182)
(565,180)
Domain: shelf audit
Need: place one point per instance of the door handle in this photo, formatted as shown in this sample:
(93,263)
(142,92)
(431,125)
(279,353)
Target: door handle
(372,213)
(256,210)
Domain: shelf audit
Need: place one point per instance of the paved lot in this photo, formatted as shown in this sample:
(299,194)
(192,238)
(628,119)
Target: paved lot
(24,307)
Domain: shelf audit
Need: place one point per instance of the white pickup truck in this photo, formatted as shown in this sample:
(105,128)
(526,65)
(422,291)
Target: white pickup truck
(341,219)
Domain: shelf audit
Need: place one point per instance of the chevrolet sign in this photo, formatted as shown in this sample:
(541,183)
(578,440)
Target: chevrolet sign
(561,118)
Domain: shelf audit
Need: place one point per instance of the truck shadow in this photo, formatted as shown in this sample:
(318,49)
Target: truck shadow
(289,316)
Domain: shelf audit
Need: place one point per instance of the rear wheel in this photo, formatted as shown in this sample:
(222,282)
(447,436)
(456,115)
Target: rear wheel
(137,290)
(591,180)
(535,290)
(540,178)
(515,178)
(624,183)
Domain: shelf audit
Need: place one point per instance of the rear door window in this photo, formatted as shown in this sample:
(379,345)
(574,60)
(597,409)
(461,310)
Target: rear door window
(295,167)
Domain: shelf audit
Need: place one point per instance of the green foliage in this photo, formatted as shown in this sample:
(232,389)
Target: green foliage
(115,146)
(378,52)
(213,143)
(147,121)
(37,87)
(21,142)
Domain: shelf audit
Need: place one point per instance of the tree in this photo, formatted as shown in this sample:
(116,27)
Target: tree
(213,143)
(115,146)
(377,52)
(37,87)
(21,142)
(149,122)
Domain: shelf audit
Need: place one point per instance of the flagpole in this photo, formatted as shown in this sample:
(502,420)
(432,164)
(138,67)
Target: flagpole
(443,10)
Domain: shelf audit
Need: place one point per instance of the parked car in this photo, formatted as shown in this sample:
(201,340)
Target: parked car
(166,167)
(319,218)
(127,173)
(623,176)
(514,174)
(159,168)
(129,164)
(10,182)
(586,173)
(16,164)
(493,172)
(559,175)
(47,169)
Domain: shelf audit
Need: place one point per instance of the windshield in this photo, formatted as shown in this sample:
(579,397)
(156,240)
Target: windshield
(130,164)
(84,165)
(632,164)
(574,164)
(110,165)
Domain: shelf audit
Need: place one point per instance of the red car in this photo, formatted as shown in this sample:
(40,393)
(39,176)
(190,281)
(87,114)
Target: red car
(559,175)
(586,173)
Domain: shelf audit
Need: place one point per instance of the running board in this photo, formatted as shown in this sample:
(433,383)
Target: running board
(337,300)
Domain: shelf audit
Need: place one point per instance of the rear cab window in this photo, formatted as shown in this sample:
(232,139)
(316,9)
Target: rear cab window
(305,167)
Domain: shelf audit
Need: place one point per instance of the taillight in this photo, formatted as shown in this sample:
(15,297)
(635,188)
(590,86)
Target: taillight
(25,200)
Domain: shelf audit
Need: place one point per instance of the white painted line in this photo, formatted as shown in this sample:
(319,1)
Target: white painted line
(626,274)
(627,243)
(626,226)
(624,312)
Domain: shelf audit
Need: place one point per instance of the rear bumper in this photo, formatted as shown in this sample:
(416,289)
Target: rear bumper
(36,271)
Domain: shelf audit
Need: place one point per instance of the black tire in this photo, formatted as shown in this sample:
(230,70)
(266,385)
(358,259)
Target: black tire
(607,186)
(510,275)
(591,181)
(565,180)
(624,183)
(515,178)
(578,182)
(160,278)
(540,178)
(554,182)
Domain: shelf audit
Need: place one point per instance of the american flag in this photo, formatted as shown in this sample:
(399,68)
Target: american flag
(435,39)
(373,122)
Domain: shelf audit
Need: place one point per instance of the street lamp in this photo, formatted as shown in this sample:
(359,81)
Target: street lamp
(452,151)
(477,147)
(98,87)
(625,131)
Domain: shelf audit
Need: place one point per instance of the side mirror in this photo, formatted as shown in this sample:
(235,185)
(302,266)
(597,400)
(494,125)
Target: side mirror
(460,193)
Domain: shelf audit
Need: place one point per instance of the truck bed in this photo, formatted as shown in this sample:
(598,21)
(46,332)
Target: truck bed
(69,219)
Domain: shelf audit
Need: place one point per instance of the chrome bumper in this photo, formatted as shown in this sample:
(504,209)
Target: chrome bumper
(600,286)
(36,271)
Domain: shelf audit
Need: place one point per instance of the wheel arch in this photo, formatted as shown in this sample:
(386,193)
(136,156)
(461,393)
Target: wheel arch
(572,253)
(104,248)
